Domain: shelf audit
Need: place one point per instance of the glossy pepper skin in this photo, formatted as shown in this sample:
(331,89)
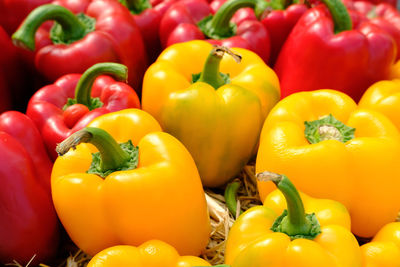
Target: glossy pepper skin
(322,52)
(129,207)
(181,23)
(148,17)
(384,97)
(218,123)
(278,19)
(152,253)
(258,238)
(109,35)
(15,12)
(349,170)
(384,249)
(28,222)
(55,121)
(383,15)
(7,58)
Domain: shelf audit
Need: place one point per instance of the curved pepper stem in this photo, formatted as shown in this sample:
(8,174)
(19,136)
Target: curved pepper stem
(210,73)
(112,156)
(219,26)
(73,28)
(230,197)
(136,6)
(294,221)
(340,15)
(84,87)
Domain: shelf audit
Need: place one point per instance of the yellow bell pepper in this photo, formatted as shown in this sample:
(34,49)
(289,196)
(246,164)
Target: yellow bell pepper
(384,96)
(129,195)
(217,110)
(320,237)
(357,165)
(384,249)
(153,253)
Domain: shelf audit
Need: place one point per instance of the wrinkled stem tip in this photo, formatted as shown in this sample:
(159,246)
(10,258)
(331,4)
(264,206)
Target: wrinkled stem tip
(75,139)
(220,50)
(269,176)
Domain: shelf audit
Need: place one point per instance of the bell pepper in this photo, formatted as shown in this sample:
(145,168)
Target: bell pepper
(383,15)
(383,97)
(148,16)
(28,222)
(105,31)
(320,237)
(324,51)
(332,149)
(278,18)
(216,112)
(69,104)
(15,11)
(384,249)
(395,70)
(131,193)
(151,253)
(191,19)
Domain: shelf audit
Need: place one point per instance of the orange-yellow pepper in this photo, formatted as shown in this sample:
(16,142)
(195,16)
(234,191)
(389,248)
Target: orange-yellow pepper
(310,233)
(395,71)
(384,96)
(357,165)
(384,249)
(161,198)
(153,253)
(212,104)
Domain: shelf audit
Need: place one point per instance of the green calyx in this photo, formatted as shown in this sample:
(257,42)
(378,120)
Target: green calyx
(84,87)
(219,27)
(328,128)
(129,148)
(210,73)
(340,15)
(293,222)
(136,6)
(111,156)
(58,35)
(69,27)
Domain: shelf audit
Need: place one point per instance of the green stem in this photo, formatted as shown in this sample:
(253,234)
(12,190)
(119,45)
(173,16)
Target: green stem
(293,222)
(112,156)
(220,23)
(210,73)
(340,15)
(136,6)
(84,87)
(72,27)
(230,197)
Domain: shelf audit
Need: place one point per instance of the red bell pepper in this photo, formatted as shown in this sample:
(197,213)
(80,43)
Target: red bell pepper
(148,16)
(279,19)
(323,51)
(74,100)
(15,11)
(191,19)
(384,15)
(105,32)
(28,221)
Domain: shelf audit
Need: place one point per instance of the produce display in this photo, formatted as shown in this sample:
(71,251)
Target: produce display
(190,133)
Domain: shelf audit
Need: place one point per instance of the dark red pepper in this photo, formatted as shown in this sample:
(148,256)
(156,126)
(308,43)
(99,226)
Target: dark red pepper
(384,15)
(28,222)
(278,18)
(323,51)
(148,16)
(15,11)
(105,32)
(74,100)
(191,19)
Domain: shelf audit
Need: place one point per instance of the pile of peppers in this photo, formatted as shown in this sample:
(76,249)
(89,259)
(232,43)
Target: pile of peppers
(119,117)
